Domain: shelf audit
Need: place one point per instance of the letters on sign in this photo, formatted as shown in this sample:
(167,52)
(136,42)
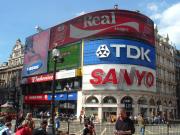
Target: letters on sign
(134,77)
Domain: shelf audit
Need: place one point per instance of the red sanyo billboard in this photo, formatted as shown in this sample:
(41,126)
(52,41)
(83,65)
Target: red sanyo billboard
(104,23)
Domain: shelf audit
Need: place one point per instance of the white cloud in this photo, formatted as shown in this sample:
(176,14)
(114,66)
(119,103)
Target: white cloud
(155,16)
(81,13)
(152,7)
(169,23)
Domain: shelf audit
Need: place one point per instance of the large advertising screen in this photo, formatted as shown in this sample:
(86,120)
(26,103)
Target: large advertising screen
(71,54)
(119,77)
(36,53)
(118,51)
(104,23)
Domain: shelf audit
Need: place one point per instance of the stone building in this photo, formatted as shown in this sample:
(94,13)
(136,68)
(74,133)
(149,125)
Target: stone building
(10,73)
(165,72)
(177,65)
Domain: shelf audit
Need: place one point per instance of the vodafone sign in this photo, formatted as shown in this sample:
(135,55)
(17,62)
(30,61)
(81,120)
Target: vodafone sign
(104,23)
(119,77)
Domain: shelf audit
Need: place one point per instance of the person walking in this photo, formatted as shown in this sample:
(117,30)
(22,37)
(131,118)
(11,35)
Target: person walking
(7,129)
(141,124)
(86,130)
(57,122)
(24,129)
(29,121)
(124,125)
(42,129)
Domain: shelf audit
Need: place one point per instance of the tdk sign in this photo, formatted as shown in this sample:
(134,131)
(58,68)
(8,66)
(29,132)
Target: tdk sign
(102,51)
(119,51)
(132,52)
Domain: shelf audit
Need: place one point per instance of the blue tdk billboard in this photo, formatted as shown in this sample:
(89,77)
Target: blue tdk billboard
(119,51)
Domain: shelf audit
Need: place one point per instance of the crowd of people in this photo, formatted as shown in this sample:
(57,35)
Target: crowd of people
(26,126)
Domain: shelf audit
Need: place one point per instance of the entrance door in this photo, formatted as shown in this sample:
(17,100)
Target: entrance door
(109,116)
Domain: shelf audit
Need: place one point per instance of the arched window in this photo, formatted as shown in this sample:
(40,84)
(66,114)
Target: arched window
(170,103)
(92,100)
(142,101)
(109,100)
(165,103)
(126,99)
(159,102)
(152,102)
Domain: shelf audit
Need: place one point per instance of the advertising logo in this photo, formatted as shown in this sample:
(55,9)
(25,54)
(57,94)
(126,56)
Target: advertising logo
(34,67)
(119,77)
(104,23)
(119,51)
(102,51)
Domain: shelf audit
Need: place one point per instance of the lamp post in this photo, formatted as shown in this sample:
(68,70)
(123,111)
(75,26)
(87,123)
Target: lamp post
(67,90)
(55,56)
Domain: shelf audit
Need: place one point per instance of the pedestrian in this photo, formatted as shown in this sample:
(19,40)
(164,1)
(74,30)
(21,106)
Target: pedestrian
(91,128)
(57,122)
(42,129)
(29,121)
(86,130)
(49,127)
(24,129)
(80,118)
(141,124)
(124,125)
(7,129)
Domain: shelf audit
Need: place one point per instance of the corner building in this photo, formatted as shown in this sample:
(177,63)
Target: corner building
(109,62)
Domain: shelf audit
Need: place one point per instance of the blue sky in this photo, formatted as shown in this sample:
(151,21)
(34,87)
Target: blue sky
(18,18)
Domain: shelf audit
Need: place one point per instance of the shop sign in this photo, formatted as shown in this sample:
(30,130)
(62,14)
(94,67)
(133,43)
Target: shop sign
(40,78)
(49,77)
(38,97)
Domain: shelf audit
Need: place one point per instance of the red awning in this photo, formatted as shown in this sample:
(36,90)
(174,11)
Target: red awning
(38,102)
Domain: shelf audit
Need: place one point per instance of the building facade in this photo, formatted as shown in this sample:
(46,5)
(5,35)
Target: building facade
(10,73)
(112,59)
(177,66)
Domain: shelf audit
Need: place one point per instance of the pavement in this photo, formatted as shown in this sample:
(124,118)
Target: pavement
(108,128)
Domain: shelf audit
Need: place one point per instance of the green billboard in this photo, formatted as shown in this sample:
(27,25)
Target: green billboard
(71,54)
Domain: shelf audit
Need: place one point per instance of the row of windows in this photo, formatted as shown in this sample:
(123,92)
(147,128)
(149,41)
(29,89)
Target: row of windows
(165,74)
(16,62)
(164,61)
(165,88)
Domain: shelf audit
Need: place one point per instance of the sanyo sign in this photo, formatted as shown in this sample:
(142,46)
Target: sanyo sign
(132,52)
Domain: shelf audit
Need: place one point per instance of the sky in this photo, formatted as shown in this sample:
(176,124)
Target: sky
(18,18)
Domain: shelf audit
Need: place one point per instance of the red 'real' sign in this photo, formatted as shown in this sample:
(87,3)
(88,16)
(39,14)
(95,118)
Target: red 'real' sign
(37,97)
(40,78)
(104,23)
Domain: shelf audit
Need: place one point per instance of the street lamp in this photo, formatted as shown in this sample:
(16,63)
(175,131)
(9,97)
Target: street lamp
(67,90)
(56,58)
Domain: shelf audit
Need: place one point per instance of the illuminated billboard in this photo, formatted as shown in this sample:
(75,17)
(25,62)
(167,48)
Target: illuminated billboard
(118,51)
(71,54)
(36,53)
(119,77)
(104,23)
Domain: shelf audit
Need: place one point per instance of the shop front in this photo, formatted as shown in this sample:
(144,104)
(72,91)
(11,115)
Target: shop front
(66,102)
(109,114)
